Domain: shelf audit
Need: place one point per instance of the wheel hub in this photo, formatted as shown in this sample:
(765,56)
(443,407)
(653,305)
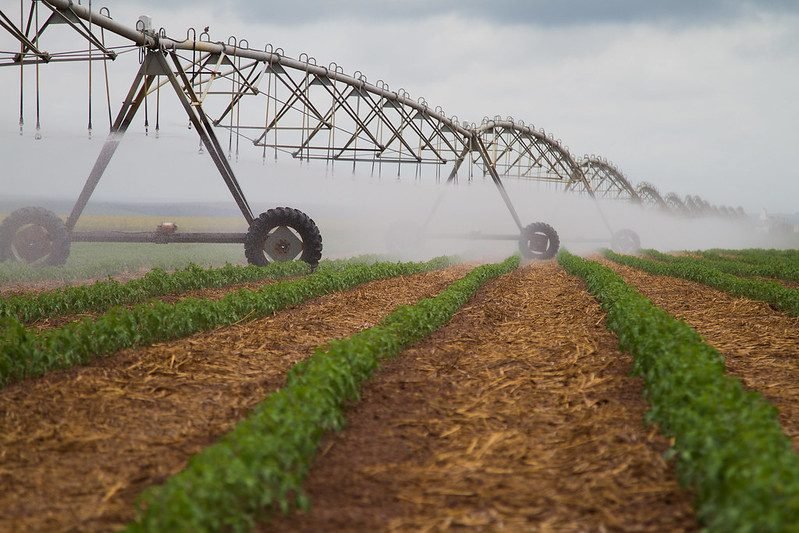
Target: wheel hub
(31,243)
(282,244)
(625,242)
(538,242)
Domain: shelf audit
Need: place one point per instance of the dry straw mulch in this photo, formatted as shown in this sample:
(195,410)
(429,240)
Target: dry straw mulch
(760,345)
(78,446)
(521,414)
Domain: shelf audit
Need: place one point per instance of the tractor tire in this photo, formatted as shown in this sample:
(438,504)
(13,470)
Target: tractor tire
(539,241)
(625,241)
(282,234)
(35,236)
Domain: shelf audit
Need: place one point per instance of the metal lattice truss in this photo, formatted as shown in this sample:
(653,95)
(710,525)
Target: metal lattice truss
(311,112)
(650,195)
(607,181)
(318,113)
(522,152)
(34,23)
(676,204)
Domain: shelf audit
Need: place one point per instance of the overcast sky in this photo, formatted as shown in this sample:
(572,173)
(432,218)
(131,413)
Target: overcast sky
(695,97)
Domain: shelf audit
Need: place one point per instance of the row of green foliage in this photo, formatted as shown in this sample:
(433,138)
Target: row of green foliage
(23,353)
(778,259)
(728,441)
(260,466)
(754,255)
(100,260)
(773,268)
(103,295)
(781,297)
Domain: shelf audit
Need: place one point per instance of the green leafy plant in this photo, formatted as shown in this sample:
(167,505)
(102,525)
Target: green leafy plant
(781,297)
(99,260)
(23,353)
(774,267)
(754,255)
(261,464)
(728,442)
(103,295)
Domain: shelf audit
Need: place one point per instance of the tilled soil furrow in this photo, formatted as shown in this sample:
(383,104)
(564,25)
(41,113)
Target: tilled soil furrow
(760,345)
(79,445)
(520,414)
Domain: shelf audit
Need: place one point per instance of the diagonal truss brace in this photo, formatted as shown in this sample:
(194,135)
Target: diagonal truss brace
(481,150)
(27,44)
(155,65)
(475,144)
(58,16)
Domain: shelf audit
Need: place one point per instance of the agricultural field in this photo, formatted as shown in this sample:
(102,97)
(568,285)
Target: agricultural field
(655,392)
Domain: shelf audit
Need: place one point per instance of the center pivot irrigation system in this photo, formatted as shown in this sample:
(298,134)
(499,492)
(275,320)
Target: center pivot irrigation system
(284,105)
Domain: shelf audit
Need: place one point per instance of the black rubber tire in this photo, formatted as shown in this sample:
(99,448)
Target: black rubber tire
(546,234)
(283,216)
(47,224)
(625,241)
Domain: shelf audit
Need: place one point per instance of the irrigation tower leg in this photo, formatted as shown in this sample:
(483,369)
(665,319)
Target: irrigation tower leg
(138,90)
(155,65)
(476,144)
(458,162)
(193,108)
(492,170)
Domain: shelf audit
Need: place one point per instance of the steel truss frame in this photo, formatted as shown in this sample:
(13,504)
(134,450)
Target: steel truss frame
(650,195)
(154,66)
(607,181)
(308,111)
(29,33)
(676,204)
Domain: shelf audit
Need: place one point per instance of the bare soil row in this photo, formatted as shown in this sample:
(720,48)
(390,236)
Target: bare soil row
(80,445)
(520,414)
(760,345)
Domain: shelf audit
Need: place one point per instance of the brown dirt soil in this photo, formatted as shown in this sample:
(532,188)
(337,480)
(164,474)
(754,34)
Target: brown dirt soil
(77,447)
(520,414)
(760,345)
(214,293)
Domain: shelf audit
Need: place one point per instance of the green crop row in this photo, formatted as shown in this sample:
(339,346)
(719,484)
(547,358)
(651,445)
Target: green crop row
(99,260)
(260,465)
(779,296)
(103,295)
(728,441)
(754,255)
(782,260)
(776,268)
(23,353)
